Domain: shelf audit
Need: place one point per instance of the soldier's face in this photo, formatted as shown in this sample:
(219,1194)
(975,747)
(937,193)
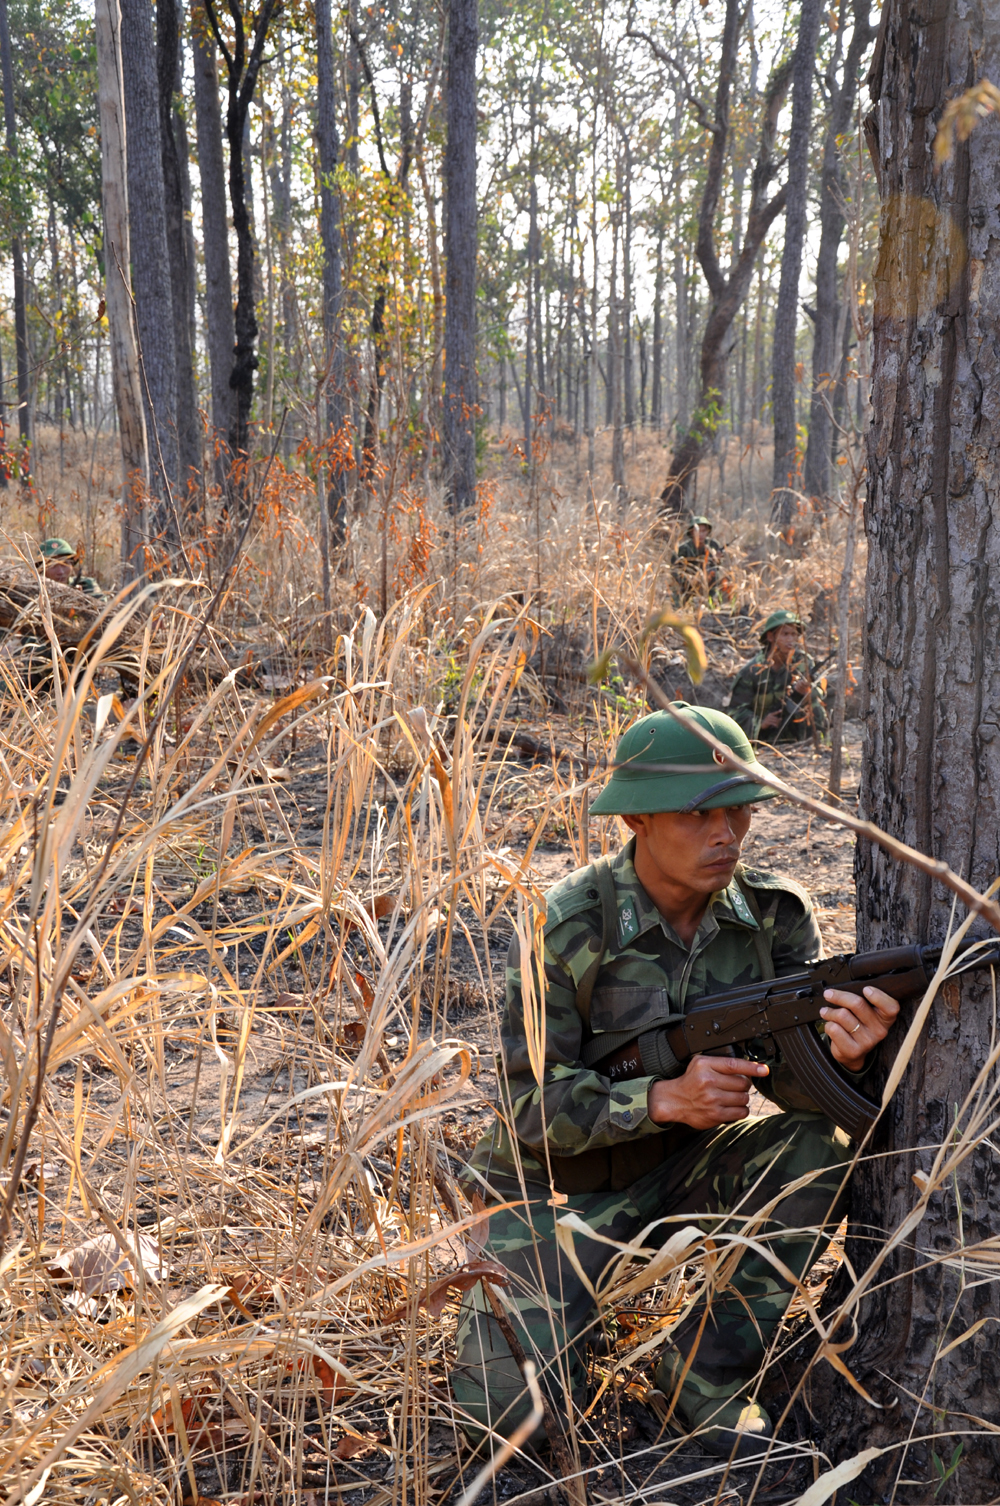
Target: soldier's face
(785,640)
(697,852)
(58,570)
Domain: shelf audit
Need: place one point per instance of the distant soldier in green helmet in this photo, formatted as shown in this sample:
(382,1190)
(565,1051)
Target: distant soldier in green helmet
(59,561)
(697,562)
(628,942)
(778,696)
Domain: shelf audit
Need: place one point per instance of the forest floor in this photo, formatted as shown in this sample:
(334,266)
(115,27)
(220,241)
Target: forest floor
(234,1272)
(200,1220)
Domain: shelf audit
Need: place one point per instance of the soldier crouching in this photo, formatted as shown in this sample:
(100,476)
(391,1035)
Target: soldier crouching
(628,941)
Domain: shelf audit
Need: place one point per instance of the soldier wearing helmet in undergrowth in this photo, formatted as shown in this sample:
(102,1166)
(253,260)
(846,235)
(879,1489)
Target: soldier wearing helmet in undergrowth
(697,563)
(628,941)
(59,561)
(777,696)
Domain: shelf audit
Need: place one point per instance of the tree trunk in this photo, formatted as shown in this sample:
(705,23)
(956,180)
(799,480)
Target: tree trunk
(825,354)
(931,775)
(24,425)
(150,256)
(118,293)
(242,70)
(215,233)
(682,343)
(656,394)
(627,334)
(726,291)
(334,390)
(460,231)
(785,478)
(615,366)
(168,53)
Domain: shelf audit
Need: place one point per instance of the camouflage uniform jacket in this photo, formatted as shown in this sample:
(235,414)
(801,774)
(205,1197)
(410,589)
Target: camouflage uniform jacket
(708,557)
(760,688)
(646,976)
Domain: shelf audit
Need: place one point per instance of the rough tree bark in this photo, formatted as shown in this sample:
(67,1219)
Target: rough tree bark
(17,253)
(931,774)
(118,293)
(168,83)
(656,390)
(726,291)
(215,232)
(334,390)
(460,234)
(786,318)
(242,70)
(825,355)
(150,257)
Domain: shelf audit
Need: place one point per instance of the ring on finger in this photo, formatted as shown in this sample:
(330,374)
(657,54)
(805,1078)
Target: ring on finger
(856,1028)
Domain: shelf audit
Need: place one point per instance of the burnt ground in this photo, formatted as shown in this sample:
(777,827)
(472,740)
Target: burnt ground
(291,1045)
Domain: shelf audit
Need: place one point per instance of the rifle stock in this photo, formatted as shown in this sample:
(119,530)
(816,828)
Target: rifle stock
(786,1010)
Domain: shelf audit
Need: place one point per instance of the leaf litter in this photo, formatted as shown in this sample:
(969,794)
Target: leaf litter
(262,1081)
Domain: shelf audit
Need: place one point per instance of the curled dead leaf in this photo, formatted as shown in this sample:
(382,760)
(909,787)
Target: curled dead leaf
(434,1298)
(100,1266)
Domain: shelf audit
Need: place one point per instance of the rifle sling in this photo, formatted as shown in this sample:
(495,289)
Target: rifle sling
(609,925)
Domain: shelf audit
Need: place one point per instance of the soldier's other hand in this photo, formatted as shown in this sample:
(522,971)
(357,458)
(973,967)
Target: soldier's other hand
(713,1090)
(773,719)
(857,1024)
(800,686)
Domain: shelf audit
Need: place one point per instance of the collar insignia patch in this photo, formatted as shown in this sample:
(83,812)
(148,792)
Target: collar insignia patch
(740,906)
(628,924)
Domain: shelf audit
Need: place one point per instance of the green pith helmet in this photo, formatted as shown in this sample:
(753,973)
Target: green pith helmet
(777,620)
(56,549)
(635,789)
(700,521)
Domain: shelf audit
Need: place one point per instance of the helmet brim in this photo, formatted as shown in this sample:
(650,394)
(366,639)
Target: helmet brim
(644,793)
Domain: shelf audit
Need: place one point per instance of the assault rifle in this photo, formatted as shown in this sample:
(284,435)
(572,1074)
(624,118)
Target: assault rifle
(786,1009)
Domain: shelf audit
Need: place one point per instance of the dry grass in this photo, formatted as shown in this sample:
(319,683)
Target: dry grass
(258,969)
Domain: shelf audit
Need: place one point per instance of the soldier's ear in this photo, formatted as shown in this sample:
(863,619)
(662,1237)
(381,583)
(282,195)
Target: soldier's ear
(635,823)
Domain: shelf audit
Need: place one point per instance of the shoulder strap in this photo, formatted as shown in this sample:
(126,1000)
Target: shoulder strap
(760,940)
(609,924)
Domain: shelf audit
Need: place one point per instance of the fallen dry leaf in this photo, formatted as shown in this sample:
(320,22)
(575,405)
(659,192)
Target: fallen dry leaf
(434,1297)
(479,1232)
(99,1266)
(288,1001)
(353,1444)
(203,1421)
(331,1385)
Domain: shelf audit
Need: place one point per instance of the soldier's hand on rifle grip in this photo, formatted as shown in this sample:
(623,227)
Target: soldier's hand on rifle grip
(858,1025)
(713,1090)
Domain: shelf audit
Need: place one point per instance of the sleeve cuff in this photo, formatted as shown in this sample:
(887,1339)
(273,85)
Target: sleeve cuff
(861,1073)
(628,1104)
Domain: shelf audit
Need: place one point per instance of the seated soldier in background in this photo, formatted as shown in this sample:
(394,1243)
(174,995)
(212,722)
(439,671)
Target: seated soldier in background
(629,941)
(777,697)
(59,561)
(697,563)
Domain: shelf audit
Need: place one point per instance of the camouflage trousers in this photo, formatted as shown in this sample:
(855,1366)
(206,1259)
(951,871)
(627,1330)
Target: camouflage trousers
(716,1180)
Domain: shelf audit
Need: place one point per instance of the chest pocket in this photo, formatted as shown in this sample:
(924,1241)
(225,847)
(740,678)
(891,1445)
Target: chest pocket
(629,1006)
